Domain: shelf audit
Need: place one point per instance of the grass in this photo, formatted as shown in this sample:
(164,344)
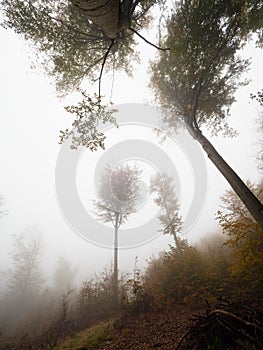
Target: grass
(89,338)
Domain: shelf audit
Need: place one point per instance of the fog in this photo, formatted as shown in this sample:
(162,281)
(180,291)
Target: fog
(31,117)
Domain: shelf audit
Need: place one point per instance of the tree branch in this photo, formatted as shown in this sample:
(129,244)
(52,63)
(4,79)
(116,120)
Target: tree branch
(77,31)
(226,313)
(133,6)
(148,42)
(94,64)
(103,64)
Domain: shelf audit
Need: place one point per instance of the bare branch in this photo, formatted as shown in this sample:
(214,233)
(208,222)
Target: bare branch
(103,64)
(148,42)
(230,314)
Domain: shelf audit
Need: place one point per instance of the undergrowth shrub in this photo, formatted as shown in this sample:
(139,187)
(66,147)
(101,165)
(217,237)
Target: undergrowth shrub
(174,276)
(187,276)
(55,316)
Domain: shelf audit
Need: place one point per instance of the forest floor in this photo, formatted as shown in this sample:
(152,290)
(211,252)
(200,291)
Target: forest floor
(153,330)
(149,330)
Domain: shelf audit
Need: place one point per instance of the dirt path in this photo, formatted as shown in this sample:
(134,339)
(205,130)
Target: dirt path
(159,330)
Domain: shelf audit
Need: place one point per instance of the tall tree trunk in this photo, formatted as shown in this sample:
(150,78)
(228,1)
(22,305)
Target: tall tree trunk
(176,240)
(115,270)
(103,13)
(253,205)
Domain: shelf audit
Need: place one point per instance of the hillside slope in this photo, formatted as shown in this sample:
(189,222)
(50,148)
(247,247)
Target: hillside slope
(158,330)
(151,330)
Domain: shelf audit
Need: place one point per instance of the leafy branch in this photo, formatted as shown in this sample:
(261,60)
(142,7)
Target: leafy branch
(90,113)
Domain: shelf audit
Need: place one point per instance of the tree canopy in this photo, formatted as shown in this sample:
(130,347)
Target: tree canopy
(118,195)
(76,39)
(196,80)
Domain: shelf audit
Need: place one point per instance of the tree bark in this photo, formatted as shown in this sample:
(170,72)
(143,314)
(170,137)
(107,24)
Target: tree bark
(115,270)
(105,14)
(251,202)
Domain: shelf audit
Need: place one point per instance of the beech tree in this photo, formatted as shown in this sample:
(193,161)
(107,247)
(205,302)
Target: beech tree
(75,39)
(118,197)
(163,187)
(78,39)
(195,82)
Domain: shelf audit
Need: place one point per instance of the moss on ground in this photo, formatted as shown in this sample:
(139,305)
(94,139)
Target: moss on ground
(89,338)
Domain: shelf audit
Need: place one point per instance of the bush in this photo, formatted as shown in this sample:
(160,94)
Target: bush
(188,276)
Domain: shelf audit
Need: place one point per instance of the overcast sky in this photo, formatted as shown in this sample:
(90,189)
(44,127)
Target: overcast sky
(30,119)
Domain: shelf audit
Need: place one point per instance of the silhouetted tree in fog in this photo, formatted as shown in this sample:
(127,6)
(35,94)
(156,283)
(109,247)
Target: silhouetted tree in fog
(259,98)
(2,211)
(163,187)
(25,278)
(64,274)
(119,194)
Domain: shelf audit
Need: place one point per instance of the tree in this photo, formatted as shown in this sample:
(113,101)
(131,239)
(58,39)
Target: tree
(245,239)
(64,274)
(164,189)
(79,38)
(118,195)
(259,98)
(2,211)
(196,81)
(25,279)
(204,37)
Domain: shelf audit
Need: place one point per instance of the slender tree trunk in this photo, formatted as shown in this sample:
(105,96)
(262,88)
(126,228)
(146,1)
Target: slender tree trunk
(253,205)
(174,234)
(105,14)
(115,270)
(176,240)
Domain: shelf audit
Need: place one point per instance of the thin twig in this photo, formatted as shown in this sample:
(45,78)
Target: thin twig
(148,42)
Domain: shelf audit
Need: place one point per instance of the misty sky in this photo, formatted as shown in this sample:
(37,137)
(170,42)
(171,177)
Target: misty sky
(30,119)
